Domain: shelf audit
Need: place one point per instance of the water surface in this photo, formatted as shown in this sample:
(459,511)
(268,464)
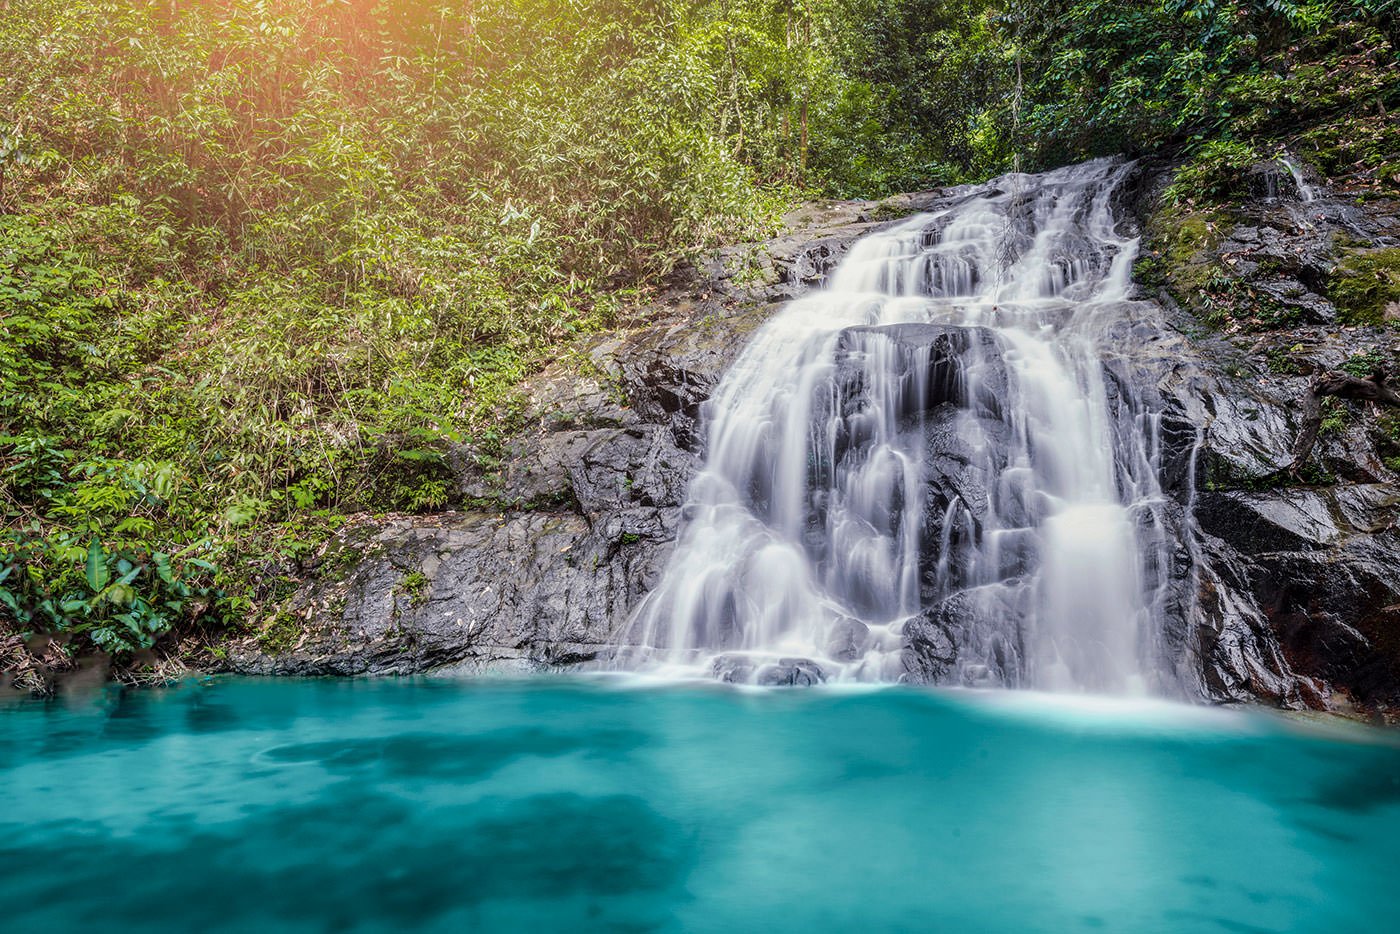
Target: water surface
(241,805)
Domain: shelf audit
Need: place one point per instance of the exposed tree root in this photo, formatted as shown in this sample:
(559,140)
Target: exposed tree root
(1375,389)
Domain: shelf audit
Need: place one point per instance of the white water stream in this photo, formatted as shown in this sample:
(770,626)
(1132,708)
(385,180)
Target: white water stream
(1306,193)
(930,449)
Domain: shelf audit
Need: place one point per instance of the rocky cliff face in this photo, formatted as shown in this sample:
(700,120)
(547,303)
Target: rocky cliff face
(1296,600)
(575,516)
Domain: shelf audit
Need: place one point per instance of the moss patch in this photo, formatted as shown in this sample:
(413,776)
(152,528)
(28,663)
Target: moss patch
(1181,254)
(1387,437)
(1182,257)
(1365,284)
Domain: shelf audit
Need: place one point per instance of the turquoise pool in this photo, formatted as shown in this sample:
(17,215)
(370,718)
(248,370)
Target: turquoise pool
(247,805)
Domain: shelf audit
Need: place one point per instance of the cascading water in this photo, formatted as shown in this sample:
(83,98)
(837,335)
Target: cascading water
(1306,193)
(926,471)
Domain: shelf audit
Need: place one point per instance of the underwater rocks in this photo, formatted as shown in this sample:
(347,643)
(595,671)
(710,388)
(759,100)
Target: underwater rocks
(738,668)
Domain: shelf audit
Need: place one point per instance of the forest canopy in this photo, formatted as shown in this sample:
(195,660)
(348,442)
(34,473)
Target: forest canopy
(264,262)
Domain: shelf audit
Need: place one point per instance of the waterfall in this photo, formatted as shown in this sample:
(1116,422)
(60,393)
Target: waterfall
(926,471)
(1306,193)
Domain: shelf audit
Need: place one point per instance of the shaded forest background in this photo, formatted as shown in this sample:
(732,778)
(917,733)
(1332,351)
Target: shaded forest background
(264,262)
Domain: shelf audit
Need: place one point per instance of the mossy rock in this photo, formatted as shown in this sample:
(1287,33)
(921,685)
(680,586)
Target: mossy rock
(1181,256)
(1365,286)
(1191,241)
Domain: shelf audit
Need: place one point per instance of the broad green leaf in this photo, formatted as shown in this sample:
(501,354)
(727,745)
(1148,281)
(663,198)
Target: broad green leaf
(97,573)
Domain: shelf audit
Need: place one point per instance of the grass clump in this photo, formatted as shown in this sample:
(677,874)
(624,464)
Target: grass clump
(415,586)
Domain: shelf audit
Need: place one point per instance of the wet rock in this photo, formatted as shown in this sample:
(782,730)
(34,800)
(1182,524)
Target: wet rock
(738,668)
(1248,436)
(958,365)
(668,373)
(1246,234)
(791,672)
(964,455)
(1296,579)
(474,589)
(847,639)
(1369,507)
(929,651)
(1336,612)
(1262,522)
(733,669)
(971,638)
(621,468)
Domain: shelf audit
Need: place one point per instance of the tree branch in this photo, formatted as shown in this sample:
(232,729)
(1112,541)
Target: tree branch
(1375,389)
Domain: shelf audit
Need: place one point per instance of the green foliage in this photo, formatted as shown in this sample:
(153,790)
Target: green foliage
(1181,258)
(119,599)
(261,265)
(1107,76)
(415,586)
(1281,360)
(1364,365)
(926,79)
(1335,416)
(1215,172)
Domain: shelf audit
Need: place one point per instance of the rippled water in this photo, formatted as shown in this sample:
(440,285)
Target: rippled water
(565,805)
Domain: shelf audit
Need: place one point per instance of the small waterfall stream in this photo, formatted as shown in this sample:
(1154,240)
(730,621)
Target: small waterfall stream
(926,472)
(1306,193)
